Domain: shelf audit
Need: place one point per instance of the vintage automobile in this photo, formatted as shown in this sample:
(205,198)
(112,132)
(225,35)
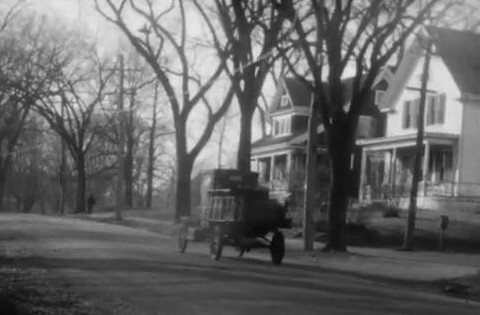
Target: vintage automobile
(238,212)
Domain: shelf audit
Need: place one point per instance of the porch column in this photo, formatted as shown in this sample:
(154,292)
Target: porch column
(394,171)
(387,175)
(363,166)
(456,169)
(272,168)
(288,167)
(426,158)
(254,165)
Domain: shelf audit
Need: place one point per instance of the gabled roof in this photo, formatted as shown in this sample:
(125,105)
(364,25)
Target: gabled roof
(296,90)
(274,140)
(301,95)
(385,74)
(299,92)
(460,51)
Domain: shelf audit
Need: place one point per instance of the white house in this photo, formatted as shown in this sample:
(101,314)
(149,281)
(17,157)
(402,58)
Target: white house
(451,159)
(280,158)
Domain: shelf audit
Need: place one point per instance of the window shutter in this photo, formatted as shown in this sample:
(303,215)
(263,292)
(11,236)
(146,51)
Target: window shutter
(430,109)
(406,114)
(441,109)
(414,113)
(275,127)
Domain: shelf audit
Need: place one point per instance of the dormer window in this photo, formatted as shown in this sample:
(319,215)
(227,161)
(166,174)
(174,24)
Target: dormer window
(379,95)
(284,101)
(281,126)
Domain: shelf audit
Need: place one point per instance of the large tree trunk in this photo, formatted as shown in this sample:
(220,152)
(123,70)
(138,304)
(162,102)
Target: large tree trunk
(129,155)
(62,178)
(184,172)
(183,187)
(3,190)
(151,150)
(151,162)
(311,175)
(4,169)
(245,143)
(340,143)
(81,184)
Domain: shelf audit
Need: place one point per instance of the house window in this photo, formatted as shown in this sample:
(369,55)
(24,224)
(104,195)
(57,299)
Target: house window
(284,101)
(276,127)
(281,126)
(440,166)
(379,95)
(410,114)
(436,109)
(264,169)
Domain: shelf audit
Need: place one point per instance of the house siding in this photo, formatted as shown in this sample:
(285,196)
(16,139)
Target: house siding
(440,81)
(469,159)
(299,123)
(451,160)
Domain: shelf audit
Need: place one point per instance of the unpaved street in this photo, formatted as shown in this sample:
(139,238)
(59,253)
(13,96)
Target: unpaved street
(141,273)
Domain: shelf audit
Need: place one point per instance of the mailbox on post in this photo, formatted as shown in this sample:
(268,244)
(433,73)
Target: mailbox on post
(444,220)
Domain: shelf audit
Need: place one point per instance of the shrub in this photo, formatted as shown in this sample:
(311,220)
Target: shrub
(391,212)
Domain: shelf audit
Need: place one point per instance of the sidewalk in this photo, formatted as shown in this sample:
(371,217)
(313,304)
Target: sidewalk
(389,263)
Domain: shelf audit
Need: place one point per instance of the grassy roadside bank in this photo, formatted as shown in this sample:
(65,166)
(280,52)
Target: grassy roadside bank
(28,291)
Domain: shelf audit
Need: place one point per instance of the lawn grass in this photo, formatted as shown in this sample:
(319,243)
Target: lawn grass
(379,231)
(460,236)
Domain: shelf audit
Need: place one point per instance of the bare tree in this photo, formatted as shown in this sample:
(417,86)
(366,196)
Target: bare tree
(154,41)
(10,14)
(151,148)
(137,80)
(25,70)
(30,168)
(362,35)
(156,131)
(79,88)
(250,32)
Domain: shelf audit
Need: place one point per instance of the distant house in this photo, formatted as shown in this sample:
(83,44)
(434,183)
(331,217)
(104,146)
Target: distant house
(280,157)
(451,159)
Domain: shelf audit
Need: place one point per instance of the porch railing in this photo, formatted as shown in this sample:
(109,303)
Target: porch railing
(442,189)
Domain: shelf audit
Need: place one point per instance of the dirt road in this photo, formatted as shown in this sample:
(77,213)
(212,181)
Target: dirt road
(131,271)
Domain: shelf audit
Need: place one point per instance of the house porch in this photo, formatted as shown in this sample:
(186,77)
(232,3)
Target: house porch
(283,173)
(387,167)
(280,170)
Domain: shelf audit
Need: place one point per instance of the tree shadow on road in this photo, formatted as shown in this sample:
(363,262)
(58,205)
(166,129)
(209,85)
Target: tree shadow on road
(245,270)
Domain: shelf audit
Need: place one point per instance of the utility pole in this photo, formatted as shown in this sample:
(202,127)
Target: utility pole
(62,165)
(120,196)
(419,150)
(129,128)
(310,178)
(220,143)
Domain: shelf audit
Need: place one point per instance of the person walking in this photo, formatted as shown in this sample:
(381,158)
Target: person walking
(91,201)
